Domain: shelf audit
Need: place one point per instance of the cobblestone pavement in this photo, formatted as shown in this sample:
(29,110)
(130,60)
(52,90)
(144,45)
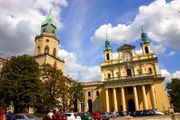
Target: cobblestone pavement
(164,117)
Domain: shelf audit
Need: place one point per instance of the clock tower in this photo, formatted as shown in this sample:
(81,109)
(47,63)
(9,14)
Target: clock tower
(47,44)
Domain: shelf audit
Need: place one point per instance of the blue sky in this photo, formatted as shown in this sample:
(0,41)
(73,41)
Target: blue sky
(82,28)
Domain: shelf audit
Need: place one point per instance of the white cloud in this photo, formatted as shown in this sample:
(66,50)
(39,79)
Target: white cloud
(115,55)
(158,49)
(160,20)
(171,53)
(168,76)
(139,51)
(176,74)
(21,21)
(77,70)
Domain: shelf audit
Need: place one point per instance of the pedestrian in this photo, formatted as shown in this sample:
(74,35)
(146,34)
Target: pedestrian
(51,115)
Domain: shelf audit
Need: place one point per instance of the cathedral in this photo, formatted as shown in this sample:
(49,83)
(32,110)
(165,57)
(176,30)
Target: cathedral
(130,82)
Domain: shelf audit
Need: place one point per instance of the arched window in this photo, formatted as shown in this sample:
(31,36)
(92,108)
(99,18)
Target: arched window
(89,94)
(55,64)
(53,31)
(128,72)
(54,52)
(38,50)
(107,56)
(109,75)
(46,50)
(150,71)
(97,93)
(146,50)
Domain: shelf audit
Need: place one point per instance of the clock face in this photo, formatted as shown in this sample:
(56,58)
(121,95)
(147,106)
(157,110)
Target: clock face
(127,56)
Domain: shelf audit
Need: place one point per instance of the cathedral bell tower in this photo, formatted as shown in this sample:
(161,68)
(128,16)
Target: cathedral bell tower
(47,44)
(145,44)
(107,50)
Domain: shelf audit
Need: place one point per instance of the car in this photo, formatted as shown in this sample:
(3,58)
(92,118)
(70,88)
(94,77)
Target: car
(156,112)
(72,116)
(96,116)
(23,116)
(123,113)
(85,116)
(105,115)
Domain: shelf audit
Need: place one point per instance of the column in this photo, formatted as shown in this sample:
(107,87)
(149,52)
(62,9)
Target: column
(136,98)
(107,101)
(115,100)
(153,97)
(144,97)
(123,99)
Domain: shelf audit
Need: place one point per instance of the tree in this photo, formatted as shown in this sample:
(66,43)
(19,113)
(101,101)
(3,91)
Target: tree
(19,83)
(75,94)
(52,88)
(174,92)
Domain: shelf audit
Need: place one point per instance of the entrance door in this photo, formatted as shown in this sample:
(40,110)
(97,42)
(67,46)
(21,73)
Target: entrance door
(90,105)
(131,105)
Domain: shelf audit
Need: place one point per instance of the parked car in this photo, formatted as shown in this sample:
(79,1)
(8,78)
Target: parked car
(122,113)
(156,112)
(96,116)
(23,116)
(85,116)
(72,116)
(105,115)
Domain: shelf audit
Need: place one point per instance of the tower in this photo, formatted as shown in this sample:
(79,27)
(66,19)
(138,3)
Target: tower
(145,44)
(47,44)
(107,50)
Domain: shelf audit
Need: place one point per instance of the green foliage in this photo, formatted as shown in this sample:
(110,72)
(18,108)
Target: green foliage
(75,93)
(52,88)
(19,83)
(174,92)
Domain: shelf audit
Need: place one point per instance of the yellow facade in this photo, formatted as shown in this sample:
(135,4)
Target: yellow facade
(129,82)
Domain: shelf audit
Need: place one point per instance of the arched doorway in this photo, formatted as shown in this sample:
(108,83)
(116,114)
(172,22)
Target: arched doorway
(75,105)
(131,105)
(90,105)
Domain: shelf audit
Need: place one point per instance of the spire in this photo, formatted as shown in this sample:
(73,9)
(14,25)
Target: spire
(48,25)
(143,35)
(107,44)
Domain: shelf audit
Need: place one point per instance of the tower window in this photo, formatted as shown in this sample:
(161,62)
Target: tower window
(38,50)
(55,65)
(46,50)
(53,31)
(146,50)
(47,40)
(97,93)
(54,52)
(109,75)
(89,94)
(43,30)
(150,71)
(107,56)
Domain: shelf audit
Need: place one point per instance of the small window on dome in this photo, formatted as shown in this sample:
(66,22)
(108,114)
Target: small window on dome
(47,40)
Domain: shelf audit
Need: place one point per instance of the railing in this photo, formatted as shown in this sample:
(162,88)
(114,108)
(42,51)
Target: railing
(133,76)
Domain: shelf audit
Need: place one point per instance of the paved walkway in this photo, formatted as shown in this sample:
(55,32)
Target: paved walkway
(164,117)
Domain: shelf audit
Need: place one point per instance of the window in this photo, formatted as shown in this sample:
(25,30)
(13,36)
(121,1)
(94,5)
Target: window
(89,94)
(129,90)
(109,75)
(54,52)
(97,93)
(38,50)
(146,50)
(150,71)
(53,31)
(46,50)
(128,72)
(55,64)
(107,56)
(47,40)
